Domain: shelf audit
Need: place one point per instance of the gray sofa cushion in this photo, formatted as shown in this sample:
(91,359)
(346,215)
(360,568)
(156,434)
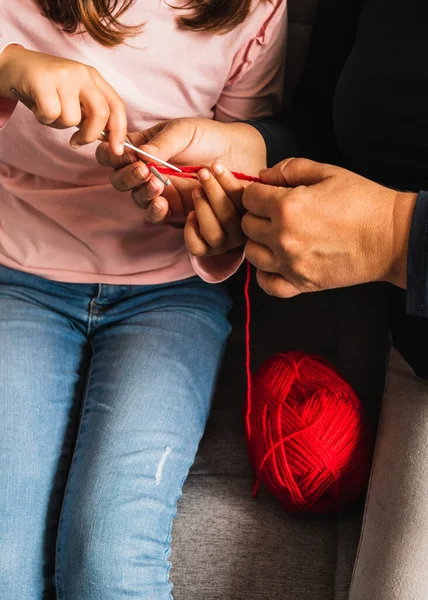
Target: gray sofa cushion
(228,546)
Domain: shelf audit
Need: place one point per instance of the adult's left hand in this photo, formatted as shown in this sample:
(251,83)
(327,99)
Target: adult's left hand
(313,227)
(184,141)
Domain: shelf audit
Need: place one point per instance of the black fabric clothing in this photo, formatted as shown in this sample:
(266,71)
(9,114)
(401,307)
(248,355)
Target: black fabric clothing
(381,99)
(362,103)
(417,273)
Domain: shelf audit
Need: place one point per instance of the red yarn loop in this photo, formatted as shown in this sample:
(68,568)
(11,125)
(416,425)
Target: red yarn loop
(192,171)
(308,439)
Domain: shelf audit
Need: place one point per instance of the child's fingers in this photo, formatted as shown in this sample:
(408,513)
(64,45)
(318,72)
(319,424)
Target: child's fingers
(106,158)
(233,188)
(158,211)
(71,112)
(47,106)
(117,123)
(220,203)
(195,244)
(209,225)
(95,113)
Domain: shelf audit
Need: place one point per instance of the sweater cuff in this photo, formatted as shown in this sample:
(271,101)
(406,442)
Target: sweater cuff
(417,262)
(216,269)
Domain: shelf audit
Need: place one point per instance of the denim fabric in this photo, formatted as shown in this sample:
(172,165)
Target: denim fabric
(104,395)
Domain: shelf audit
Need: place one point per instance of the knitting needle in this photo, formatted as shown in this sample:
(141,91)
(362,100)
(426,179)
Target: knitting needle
(146,154)
(165,180)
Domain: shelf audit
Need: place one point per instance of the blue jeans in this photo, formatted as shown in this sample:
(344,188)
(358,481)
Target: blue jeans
(104,395)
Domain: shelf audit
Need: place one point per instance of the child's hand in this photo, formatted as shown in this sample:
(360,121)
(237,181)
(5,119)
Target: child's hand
(214,227)
(63,93)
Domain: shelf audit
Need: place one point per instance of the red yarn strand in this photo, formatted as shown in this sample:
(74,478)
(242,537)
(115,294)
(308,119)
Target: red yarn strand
(191,172)
(248,347)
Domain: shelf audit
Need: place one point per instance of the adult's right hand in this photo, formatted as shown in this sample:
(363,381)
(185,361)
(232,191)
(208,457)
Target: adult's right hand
(186,141)
(314,227)
(63,93)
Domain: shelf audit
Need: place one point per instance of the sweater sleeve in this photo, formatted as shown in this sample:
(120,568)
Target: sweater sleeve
(10,34)
(417,262)
(305,128)
(280,142)
(254,88)
(7,105)
(216,269)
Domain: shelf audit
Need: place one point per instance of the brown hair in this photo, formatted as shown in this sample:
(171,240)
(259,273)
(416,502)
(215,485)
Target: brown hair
(101,18)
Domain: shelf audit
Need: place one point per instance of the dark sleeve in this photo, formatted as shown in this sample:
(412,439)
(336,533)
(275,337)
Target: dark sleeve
(417,261)
(280,143)
(306,127)
(408,310)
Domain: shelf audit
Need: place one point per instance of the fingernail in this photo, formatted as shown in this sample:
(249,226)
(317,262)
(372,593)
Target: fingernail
(204,175)
(120,148)
(140,173)
(198,193)
(156,207)
(218,169)
(154,186)
(127,159)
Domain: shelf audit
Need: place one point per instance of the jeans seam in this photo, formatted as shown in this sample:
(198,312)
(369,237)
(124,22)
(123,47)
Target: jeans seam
(57,578)
(92,309)
(372,475)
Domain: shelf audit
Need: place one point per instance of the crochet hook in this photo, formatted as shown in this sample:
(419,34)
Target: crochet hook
(128,144)
(165,180)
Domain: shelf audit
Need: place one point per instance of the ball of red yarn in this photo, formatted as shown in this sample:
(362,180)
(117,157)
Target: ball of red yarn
(308,439)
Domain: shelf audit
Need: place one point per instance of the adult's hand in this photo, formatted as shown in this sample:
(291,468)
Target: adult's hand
(182,142)
(313,227)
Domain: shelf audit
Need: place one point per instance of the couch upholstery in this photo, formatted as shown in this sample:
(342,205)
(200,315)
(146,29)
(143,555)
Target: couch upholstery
(225,544)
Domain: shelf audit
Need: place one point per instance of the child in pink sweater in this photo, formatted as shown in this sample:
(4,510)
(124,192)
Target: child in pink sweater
(109,341)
